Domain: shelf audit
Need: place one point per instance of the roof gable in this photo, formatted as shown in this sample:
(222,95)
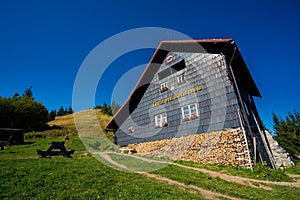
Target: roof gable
(226,47)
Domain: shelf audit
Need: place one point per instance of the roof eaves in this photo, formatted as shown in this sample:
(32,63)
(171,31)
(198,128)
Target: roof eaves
(135,87)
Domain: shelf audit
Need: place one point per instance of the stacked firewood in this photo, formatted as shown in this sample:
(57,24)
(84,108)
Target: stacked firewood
(175,148)
(222,147)
(147,147)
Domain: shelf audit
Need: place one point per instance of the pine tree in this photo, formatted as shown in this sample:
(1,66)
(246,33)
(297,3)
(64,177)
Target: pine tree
(16,95)
(52,115)
(66,111)
(28,92)
(98,107)
(70,110)
(287,132)
(106,109)
(61,111)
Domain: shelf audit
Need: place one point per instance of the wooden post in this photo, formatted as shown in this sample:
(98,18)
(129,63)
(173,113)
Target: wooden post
(269,152)
(245,136)
(254,144)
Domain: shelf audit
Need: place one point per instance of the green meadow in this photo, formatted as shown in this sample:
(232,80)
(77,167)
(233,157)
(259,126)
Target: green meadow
(25,175)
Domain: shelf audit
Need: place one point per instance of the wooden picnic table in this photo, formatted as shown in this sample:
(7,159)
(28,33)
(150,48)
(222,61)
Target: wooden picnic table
(56,145)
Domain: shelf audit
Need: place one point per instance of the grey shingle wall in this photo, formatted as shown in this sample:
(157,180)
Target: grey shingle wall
(217,103)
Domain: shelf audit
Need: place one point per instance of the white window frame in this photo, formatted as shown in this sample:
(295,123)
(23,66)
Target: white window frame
(189,112)
(160,120)
(180,79)
(163,87)
(130,129)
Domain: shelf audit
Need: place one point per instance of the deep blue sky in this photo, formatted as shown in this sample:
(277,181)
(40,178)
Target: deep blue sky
(43,43)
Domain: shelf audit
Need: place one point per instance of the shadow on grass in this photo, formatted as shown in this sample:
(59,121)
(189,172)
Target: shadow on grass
(27,143)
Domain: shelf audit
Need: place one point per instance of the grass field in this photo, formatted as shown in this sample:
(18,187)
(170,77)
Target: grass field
(24,175)
(216,184)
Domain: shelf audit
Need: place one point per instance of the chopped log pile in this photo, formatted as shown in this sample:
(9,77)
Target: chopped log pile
(176,148)
(147,147)
(222,147)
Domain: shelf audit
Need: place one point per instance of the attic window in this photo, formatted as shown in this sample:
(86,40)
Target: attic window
(171,70)
(178,66)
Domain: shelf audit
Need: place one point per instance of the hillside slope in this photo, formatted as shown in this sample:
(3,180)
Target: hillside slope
(67,121)
(65,125)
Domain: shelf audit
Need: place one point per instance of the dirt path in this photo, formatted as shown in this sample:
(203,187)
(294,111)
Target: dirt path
(242,180)
(107,158)
(205,193)
(234,179)
(190,188)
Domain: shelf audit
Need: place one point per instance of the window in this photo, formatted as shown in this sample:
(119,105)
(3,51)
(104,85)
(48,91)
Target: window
(171,70)
(163,87)
(189,112)
(178,67)
(130,129)
(180,79)
(160,120)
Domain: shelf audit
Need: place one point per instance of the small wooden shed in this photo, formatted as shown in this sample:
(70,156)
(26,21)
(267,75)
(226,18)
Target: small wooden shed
(12,135)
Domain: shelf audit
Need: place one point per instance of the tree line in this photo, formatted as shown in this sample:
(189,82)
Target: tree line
(108,110)
(60,112)
(23,112)
(105,109)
